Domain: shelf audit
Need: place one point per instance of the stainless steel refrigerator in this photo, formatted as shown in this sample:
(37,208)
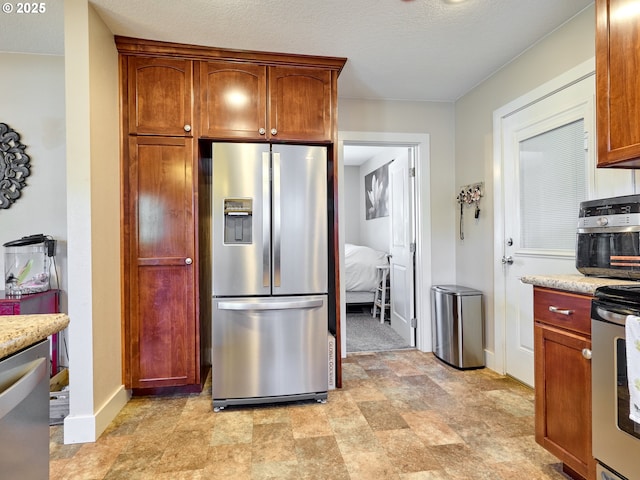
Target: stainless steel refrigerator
(270,264)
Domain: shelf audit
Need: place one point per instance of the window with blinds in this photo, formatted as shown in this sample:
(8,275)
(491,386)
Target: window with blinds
(553,182)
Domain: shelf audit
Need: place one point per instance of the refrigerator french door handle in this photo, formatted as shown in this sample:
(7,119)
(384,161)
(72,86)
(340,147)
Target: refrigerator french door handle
(276,219)
(266,209)
(284,305)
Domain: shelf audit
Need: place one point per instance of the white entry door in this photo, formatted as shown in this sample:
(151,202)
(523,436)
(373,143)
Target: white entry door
(402,246)
(547,153)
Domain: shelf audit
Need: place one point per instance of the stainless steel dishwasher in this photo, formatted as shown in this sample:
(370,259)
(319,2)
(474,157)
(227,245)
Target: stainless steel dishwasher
(24,414)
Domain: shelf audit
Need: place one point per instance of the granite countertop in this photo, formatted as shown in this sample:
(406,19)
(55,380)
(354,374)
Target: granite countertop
(20,331)
(574,283)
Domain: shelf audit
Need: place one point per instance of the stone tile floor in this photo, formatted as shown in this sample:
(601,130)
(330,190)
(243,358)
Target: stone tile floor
(400,415)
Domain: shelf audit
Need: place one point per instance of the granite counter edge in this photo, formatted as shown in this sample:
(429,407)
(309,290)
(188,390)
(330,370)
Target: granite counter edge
(573,283)
(23,331)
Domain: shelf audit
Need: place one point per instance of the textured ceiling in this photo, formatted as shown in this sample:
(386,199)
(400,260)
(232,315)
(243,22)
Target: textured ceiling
(429,50)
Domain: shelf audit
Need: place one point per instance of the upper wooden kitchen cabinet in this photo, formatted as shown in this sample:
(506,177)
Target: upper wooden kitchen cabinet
(160,96)
(259,102)
(618,83)
(300,103)
(233,97)
(562,352)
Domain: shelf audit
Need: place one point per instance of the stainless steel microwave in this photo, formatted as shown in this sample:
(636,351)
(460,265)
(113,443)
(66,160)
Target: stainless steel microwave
(608,237)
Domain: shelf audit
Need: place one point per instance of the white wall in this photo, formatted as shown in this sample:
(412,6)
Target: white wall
(93,219)
(105,208)
(374,233)
(33,105)
(562,50)
(436,120)
(431,125)
(351,201)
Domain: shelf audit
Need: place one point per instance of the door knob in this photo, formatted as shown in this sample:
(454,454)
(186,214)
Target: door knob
(188,261)
(262,131)
(586,353)
(507,260)
(274,131)
(187,128)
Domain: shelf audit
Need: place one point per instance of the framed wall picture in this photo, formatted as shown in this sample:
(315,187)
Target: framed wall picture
(376,193)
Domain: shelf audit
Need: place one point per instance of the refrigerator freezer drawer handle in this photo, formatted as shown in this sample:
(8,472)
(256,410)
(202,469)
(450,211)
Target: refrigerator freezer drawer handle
(290,305)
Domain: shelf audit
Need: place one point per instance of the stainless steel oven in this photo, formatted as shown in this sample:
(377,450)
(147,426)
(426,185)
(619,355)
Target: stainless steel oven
(616,438)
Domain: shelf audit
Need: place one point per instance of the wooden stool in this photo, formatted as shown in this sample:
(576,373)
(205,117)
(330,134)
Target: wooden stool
(382,298)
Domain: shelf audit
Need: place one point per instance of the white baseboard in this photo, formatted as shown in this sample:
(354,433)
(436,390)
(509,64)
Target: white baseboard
(87,428)
(490,361)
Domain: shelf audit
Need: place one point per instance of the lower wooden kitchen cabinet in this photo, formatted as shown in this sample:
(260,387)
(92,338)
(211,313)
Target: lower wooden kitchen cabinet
(562,351)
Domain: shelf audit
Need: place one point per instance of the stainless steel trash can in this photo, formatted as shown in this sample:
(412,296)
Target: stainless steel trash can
(457,326)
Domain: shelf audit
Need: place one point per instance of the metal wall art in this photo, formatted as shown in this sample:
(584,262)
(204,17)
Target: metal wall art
(14,166)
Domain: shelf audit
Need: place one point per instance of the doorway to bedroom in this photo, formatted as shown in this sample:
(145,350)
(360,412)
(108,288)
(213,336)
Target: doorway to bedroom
(379,246)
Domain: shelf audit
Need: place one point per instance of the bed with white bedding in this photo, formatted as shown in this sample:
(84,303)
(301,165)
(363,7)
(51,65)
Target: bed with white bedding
(360,272)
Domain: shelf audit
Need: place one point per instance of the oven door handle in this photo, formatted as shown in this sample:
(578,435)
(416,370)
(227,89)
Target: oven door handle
(610,316)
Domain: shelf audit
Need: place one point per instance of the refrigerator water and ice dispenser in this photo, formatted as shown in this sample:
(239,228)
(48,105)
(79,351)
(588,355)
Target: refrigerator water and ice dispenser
(238,221)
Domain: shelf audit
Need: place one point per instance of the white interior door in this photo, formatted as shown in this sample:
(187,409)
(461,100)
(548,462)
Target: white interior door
(402,246)
(548,151)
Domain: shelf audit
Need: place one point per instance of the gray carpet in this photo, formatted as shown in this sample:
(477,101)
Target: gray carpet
(367,334)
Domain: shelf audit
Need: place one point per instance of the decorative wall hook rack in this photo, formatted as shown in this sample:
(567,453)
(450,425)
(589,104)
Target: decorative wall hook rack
(469,195)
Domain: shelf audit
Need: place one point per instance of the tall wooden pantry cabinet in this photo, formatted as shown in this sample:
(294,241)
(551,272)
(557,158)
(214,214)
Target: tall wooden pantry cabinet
(176,99)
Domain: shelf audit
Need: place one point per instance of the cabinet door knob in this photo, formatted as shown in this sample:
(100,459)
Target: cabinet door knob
(262,131)
(188,261)
(586,353)
(274,131)
(187,128)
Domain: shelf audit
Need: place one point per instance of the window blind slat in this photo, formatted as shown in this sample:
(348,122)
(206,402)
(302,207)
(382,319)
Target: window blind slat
(552,184)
